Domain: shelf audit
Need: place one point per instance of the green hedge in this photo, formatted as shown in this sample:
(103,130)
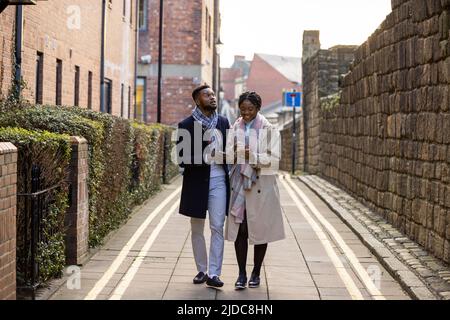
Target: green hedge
(51,152)
(127,161)
(65,121)
(171,169)
(115,203)
(147,173)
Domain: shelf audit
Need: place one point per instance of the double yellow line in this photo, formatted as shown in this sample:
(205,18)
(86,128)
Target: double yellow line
(125,282)
(319,227)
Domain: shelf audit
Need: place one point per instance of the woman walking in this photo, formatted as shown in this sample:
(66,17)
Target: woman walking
(255,212)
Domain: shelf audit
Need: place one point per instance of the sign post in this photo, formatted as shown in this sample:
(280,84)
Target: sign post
(293,99)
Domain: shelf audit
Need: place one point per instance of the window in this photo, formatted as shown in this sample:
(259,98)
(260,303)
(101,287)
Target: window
(143,15)
(58,100)
(122,102)
(209,30)
(76,91)
(108,95)
(140,99)
(89,102)
(131,12)
(39,77)
(207,25)
(129,102)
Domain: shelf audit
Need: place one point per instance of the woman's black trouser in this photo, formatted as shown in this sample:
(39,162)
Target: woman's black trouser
(241,248)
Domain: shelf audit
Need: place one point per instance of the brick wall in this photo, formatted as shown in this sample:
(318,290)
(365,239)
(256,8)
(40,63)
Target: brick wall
(77,216)
(228,83)
(8,191)
(388,142)
(120,49)
(187,57)
(176,99)
(70,30)
(7,26)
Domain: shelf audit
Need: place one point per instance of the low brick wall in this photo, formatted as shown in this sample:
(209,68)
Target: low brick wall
(8,194)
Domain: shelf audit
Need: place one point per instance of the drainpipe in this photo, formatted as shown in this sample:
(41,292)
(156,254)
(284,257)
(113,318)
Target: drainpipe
(136,59)
(216,29)
(18,52)
(160,57)
(102,59)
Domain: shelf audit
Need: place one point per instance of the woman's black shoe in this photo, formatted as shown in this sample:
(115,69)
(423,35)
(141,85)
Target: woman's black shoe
(254,281)
(241,283)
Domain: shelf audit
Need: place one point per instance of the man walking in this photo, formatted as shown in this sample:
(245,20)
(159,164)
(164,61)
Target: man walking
(205,182)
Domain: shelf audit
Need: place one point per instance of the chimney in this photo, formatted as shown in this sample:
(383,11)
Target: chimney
(311,43)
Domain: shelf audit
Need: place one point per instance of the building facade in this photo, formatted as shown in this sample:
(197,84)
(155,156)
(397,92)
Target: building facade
(189,56)
(270,75)
(234,79)
(60,55)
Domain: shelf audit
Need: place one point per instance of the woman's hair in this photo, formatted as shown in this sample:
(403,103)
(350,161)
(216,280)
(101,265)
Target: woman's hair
(253,97)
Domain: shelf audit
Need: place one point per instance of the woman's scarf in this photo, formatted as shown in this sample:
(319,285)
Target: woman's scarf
(243,176)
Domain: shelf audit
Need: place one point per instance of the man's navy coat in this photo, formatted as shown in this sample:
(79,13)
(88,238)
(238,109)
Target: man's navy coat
(195,191)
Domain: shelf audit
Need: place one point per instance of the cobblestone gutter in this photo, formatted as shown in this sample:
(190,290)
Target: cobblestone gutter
(423,276)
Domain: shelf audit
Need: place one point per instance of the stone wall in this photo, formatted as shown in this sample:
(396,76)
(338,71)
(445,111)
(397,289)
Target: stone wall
(321,77)
(8,191)
(388,141)
(286,148)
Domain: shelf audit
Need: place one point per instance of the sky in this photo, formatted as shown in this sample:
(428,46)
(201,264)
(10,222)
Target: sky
(276,26)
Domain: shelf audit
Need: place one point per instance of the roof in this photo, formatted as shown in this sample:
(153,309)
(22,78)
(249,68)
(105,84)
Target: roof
(272,108)
(290,67)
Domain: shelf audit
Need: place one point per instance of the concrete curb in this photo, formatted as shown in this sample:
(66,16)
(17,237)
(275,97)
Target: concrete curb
(409,281)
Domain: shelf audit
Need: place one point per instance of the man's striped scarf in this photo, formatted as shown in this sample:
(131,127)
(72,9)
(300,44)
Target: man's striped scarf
(209,124)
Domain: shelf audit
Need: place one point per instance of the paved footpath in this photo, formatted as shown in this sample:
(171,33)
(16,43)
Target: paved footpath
(151,258)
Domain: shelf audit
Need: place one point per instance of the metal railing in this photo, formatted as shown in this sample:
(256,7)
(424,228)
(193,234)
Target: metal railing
(35,208)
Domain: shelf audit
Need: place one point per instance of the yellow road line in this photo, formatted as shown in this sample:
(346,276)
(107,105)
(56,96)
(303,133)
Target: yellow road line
(361,271)
(129,276)
(352,289)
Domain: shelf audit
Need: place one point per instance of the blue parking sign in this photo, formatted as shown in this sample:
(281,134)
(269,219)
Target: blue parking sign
(293,99)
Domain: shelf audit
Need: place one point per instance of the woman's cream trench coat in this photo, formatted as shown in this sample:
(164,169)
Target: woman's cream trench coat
(264,212)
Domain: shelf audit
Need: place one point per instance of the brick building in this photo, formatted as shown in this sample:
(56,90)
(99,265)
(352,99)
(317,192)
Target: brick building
(270,75)
(61,56)
(234,79)
(189,56)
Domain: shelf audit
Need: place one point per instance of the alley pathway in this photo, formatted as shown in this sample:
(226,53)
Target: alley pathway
(151,258)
